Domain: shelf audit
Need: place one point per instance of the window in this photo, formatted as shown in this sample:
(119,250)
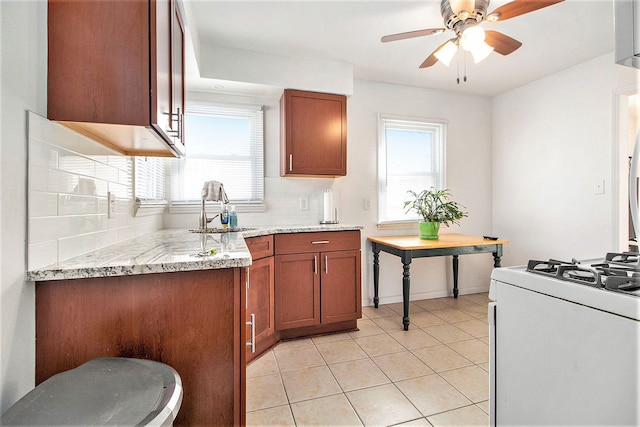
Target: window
(223,144)
(149,176)
(411,156)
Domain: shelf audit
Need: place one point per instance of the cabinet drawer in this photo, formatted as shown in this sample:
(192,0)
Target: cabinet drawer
(260,247)
(317,242)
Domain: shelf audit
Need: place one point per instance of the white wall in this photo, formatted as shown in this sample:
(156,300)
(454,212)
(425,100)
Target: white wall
(468,177)
(23,70)
(553,140)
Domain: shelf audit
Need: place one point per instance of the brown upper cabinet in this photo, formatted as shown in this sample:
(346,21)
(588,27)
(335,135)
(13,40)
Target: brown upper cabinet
(116,73)
(313,134)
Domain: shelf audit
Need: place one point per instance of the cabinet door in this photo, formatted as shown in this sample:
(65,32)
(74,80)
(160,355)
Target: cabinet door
(314,134)
(340,286)
(161,65)
(260,304)
(177,75)
(297,292)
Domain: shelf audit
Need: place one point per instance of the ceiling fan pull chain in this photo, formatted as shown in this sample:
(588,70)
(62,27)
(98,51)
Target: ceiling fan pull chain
(458,67)
(465,67)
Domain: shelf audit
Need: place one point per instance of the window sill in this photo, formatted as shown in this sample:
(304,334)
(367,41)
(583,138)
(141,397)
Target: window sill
(398,225)
(148,208)
(214,207)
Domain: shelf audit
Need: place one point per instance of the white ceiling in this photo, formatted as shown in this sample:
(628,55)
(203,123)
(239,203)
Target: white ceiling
(554,38)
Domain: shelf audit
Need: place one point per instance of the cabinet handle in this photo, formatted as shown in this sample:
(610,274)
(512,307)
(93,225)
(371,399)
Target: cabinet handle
(252,343)
(320,242)
(290,162)
(326,265)
(315,264)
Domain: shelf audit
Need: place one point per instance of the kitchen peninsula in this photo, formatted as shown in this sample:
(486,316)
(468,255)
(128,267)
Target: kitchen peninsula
(173,296)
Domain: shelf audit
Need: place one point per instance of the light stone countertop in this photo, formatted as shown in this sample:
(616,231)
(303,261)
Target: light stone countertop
(167,251)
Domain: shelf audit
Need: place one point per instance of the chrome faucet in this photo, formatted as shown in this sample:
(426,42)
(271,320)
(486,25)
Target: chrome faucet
(212,191)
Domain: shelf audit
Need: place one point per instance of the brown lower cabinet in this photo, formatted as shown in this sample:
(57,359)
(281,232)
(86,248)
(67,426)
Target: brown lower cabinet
(192,321)
(302,284)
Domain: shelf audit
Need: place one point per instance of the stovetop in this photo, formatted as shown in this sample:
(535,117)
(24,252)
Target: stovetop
(610,284)
(617,272)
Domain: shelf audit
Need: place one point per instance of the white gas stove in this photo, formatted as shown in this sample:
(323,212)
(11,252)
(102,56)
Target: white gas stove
(565,342)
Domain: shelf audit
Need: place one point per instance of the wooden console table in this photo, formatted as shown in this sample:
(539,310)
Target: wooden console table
(408,247)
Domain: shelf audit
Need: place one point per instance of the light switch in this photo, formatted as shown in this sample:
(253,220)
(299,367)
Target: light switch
(111,205)
(598,187)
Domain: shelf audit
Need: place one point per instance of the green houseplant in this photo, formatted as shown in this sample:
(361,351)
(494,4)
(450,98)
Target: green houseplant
(435,207)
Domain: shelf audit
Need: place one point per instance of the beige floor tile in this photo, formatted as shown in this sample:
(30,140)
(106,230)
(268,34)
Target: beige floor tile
(263,365)
(420,422)
(376,345)
(374,313)
(284,345)
(293,358)
(401,366)
(479,311)
(452,315)
(461,301)
(447,333)
(340,351)
(471,381)
(382,406)
(390,324)
(279,416)
(366,327)
(481,298)
(425,319)
(484,366)
(474,350)
(398,307)
(357,374)
(474,327)
(331,337)
(484,339)
(325,411)
(310,383)
(265,392)
(433,304)
(484,406)
(414,338)
(431,394)
(467,416)
(441,358)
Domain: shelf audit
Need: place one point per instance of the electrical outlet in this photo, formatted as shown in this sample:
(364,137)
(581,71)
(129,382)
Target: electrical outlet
(367,203)
(111,205)
(598,187)
(304,203)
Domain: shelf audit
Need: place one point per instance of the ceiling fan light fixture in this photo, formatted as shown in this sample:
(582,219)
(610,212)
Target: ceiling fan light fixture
(458,6)
(446,53)
(480,52)
(472,37)
(492,17)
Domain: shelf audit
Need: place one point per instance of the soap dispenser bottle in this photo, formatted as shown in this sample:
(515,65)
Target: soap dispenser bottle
(233,217)
(224,217)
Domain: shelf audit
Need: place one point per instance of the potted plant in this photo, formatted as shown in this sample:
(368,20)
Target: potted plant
(435,208)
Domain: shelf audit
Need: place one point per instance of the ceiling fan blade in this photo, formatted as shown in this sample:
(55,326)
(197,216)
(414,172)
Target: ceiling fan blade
(520,7)
(501,43)
(411,34)
(431,59)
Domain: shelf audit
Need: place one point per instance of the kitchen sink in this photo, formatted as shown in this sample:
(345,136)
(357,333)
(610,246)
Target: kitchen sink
(220,230)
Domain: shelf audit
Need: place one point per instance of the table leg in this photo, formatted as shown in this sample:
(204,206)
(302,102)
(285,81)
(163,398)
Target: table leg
(376,273)
(497,255)
(406,285)
(455,276)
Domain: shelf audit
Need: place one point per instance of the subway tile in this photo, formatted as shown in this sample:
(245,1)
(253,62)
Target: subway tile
(42,254)
(69,247)
(42,204)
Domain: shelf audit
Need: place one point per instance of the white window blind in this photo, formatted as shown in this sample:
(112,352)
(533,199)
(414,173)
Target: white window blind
(224,144)
(150,179)
(411,156)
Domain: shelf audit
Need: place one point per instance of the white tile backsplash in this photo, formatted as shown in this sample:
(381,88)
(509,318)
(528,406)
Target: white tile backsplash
(69,178)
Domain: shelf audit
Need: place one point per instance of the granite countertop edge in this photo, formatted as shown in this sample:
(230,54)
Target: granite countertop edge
(169,250)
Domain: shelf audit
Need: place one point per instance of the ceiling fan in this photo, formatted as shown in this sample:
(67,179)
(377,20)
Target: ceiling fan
(464,18)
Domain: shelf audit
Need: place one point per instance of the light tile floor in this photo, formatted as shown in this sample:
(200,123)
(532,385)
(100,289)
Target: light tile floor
(435,374)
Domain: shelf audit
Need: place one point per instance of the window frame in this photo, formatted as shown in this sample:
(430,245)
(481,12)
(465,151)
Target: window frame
(439,128)
(192,206)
